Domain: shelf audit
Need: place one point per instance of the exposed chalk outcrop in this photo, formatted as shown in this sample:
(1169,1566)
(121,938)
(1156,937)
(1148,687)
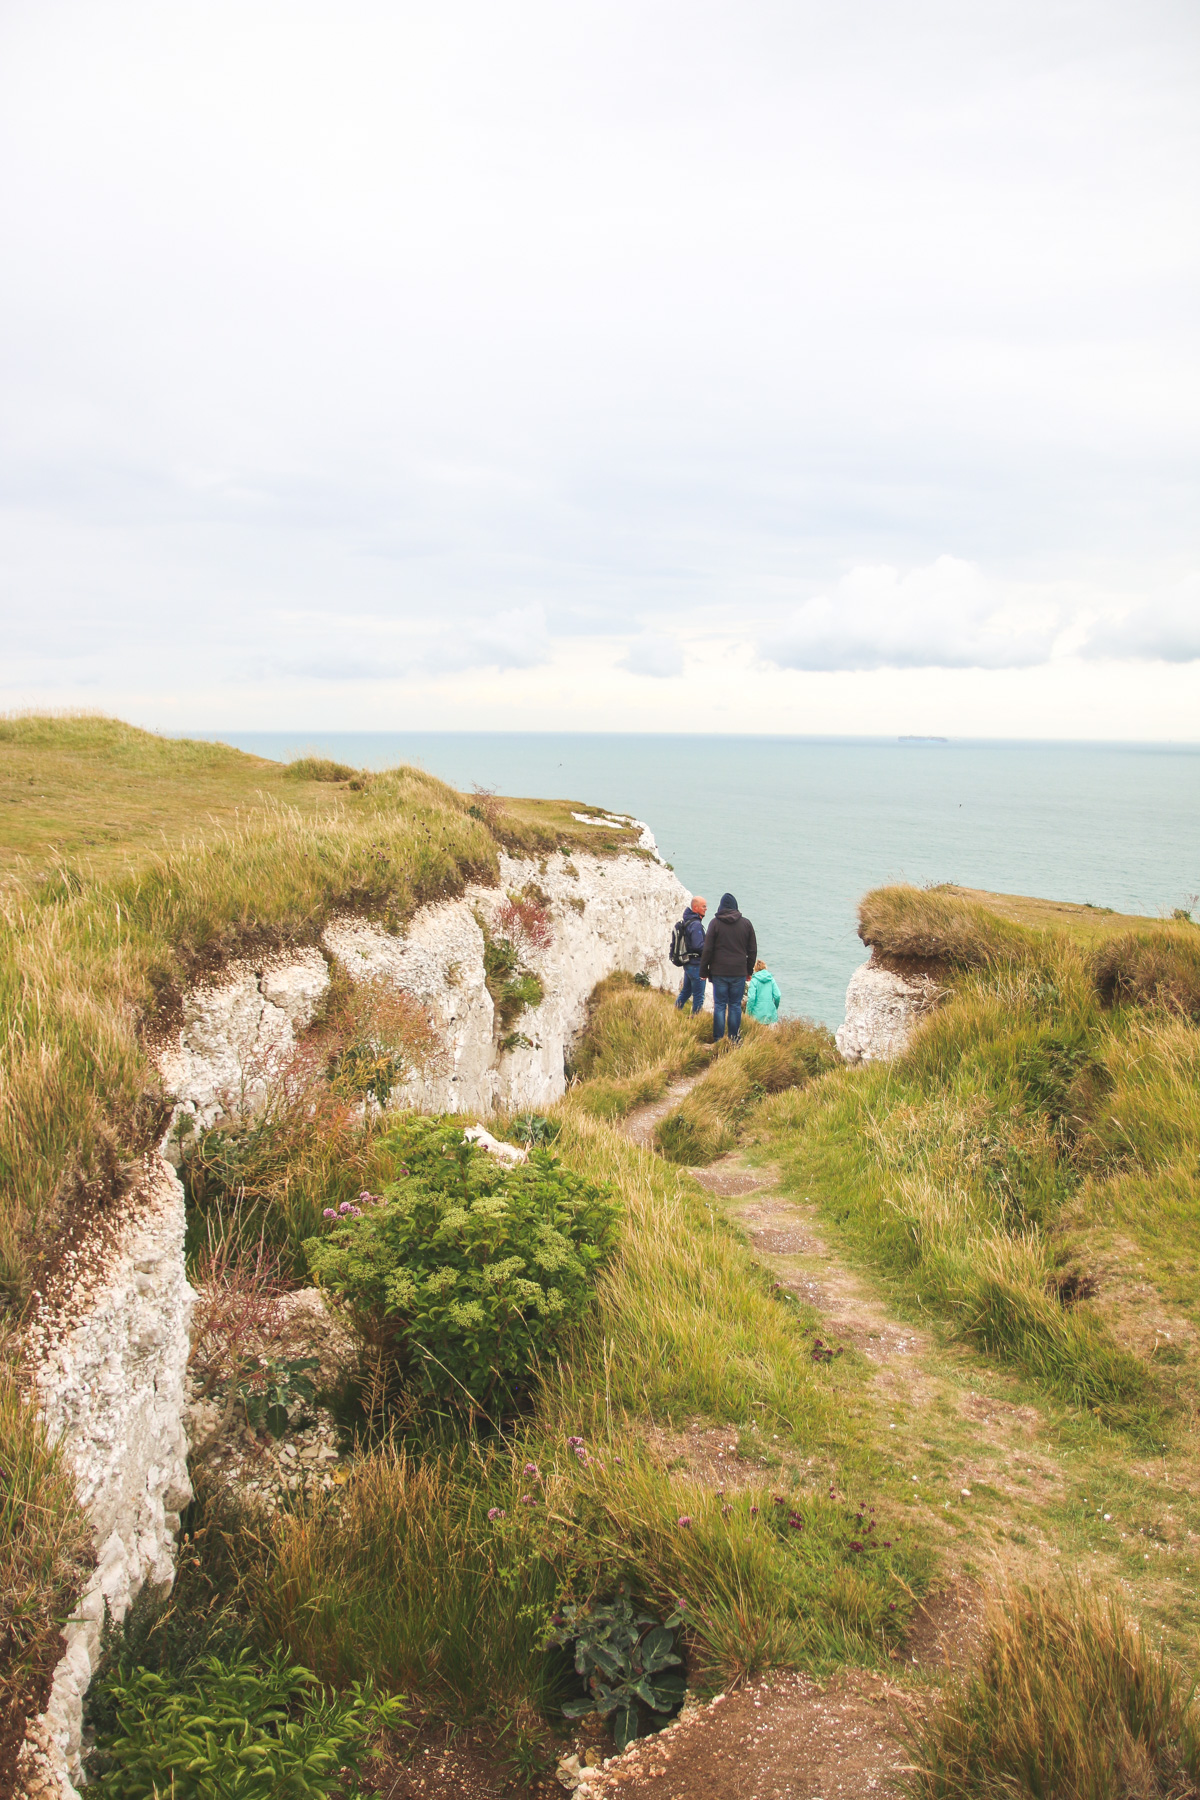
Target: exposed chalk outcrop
(108,1363)
(881,1010)
(238,1031)
(605,914)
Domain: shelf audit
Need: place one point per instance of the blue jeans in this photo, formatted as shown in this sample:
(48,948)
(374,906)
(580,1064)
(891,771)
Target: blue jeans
(727,993)
(693,984)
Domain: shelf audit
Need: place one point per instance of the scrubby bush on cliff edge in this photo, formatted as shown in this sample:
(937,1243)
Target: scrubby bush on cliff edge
(467,1271)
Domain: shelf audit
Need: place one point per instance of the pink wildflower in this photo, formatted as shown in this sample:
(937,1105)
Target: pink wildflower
(497,1512)
(685,1521)
(329,1213)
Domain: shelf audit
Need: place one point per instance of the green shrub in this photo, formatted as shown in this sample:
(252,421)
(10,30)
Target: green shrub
(236,1727)
(469,1271)
(512,986)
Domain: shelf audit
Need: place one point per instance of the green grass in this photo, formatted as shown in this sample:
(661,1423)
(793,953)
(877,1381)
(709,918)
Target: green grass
(403,1575)
(1027,1106)
(768,1060)
(635,1043)
(1068,1699)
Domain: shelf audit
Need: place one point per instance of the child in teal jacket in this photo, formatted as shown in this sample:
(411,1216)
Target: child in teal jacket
(763,995)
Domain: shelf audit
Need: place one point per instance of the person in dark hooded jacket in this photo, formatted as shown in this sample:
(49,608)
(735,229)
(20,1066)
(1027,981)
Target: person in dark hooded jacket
(727,960)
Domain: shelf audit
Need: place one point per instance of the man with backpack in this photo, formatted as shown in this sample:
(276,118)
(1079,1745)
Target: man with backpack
(730,950)
(687,943)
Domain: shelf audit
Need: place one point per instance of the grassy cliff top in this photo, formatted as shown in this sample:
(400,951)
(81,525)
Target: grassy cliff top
(1147,961)
(131,864)
(99,794)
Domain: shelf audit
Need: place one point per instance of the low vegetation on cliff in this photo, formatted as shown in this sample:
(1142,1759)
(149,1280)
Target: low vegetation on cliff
(578,1395)
(131,865)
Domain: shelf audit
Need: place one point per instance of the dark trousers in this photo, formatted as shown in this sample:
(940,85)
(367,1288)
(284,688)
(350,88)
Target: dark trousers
(727,994)
(693,984)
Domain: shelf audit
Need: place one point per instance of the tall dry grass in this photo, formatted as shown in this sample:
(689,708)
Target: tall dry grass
(439,1576)
(1068,1702)
(46,1551)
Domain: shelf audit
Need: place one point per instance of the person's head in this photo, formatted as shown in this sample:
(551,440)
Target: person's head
(728,903)
(760,964)
(699,905)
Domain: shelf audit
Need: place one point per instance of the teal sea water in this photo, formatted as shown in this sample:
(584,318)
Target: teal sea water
(799,828)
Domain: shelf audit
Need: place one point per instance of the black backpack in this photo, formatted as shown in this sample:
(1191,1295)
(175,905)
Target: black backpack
(680,947)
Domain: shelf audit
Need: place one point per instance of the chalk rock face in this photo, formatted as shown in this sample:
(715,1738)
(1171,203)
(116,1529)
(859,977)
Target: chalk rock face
(881,1011)
(238,1031)
(603,914)
(108,1360)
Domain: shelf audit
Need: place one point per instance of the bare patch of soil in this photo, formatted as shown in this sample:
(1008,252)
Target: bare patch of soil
(703,1453)
(785,1737)
(641,1124)
(729,1178)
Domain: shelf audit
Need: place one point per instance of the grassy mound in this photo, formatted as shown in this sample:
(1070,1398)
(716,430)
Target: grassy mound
(769,1059)
(635,1043)
(1038,1103)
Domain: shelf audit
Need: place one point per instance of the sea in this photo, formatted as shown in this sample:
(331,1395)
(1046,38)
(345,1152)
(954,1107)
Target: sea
(799,828)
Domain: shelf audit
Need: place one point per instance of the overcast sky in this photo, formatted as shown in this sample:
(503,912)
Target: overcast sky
(769,365)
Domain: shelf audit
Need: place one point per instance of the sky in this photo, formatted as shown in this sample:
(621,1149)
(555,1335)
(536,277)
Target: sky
(762,365)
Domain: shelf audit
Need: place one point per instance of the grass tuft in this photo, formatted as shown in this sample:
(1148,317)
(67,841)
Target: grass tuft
(318,768)
(1068,1699)
(635,1043)
(768,1060)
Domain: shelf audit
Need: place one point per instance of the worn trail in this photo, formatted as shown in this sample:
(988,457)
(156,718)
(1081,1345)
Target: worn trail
(785,1736)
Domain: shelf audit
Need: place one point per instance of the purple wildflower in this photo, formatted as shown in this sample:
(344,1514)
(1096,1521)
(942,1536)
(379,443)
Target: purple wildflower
(725,1511)
(754,1512)
(685,1521)
(329,1213)
(345,1207)
(855,1546)
(496,1512)
(574,1443)
(532,1469)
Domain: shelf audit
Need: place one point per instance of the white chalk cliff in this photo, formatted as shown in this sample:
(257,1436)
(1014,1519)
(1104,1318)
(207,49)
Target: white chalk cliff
(109,1360)
(606,913)
(882,1009)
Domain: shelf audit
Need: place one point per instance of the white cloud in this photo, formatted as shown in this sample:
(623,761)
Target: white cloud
(950,615)
(692,305)
(653,654)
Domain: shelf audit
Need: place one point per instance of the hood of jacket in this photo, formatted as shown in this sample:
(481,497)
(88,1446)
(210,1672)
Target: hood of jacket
(729,906)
